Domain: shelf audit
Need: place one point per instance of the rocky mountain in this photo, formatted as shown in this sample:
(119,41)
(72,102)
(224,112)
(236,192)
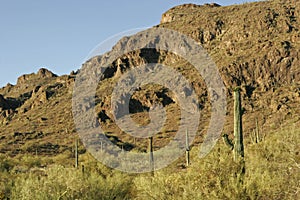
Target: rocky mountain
(255,46)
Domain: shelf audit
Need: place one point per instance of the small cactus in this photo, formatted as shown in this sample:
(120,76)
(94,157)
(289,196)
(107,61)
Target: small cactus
(187,148)
(151,157)
(256,136)
(76,153)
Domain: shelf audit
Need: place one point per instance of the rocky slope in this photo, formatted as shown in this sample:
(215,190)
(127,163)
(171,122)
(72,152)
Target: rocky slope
(255,46)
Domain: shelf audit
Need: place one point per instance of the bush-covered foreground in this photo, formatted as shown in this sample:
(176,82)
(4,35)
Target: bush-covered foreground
(58,182)
(272,172)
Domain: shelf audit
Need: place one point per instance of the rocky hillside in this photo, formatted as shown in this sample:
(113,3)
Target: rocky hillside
(255,46)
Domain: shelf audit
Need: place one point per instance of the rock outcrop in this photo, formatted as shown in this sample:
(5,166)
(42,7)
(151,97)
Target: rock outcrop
(42,73)
(3,103)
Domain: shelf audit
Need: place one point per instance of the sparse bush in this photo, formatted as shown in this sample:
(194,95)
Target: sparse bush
(6,184)
(31,161)
(65,183)
(6,164)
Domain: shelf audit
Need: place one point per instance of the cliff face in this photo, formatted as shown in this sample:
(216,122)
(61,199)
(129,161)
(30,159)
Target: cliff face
(255,43)
(255,46)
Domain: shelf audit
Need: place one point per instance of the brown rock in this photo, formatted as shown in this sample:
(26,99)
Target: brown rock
(45,73)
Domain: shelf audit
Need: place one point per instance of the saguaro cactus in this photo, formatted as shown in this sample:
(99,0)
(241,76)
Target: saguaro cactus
(256,136)
(237,145)
(187,148)
(238,128)
(76,153)
(151,157)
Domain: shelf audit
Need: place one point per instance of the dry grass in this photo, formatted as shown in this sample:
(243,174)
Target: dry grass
(272,172)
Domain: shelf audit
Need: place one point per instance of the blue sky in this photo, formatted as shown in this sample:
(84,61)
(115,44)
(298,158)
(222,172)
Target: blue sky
(59,34)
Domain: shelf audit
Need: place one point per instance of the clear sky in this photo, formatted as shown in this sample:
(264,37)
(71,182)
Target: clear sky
(59,34)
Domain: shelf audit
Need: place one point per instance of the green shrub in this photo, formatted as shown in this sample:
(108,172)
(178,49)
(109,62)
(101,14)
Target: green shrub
(6,164)
(65,183)
(6,184)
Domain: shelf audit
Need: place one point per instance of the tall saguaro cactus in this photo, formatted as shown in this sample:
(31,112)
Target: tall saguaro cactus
(237,145)
(238,127)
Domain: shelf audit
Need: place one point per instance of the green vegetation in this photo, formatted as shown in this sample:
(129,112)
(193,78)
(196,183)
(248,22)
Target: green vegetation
(272,172)
(59,182)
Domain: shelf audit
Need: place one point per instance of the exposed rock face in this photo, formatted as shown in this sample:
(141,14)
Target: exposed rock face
(259,53)
(29,92)
(9,103)
(24,78)
(178,12)
(172,15)
(269,56)
(3,103)
(42,73)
